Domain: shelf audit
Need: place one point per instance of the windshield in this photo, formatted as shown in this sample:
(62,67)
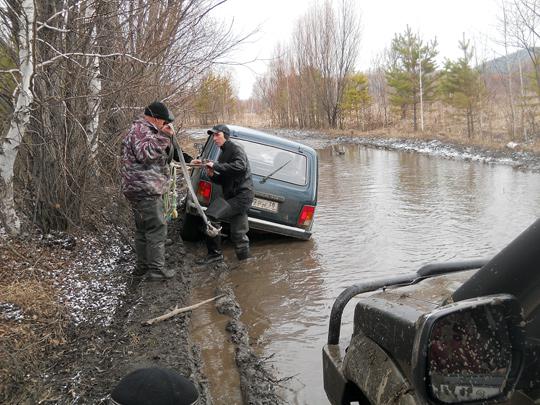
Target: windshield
(266,160)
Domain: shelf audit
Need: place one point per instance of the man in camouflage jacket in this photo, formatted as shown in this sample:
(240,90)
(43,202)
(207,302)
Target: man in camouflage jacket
(146,150)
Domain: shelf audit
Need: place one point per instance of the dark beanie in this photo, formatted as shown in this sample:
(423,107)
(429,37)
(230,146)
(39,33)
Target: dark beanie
(154,386)
(159,110)
(220,128)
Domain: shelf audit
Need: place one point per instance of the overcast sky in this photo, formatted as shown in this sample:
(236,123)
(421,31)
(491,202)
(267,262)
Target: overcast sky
(380,20)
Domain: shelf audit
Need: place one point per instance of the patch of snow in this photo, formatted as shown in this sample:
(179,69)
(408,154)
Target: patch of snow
(92,288)
(319,140)
(11,312)
(512,145)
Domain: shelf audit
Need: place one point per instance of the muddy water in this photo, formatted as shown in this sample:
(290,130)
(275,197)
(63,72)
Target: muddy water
(379,213)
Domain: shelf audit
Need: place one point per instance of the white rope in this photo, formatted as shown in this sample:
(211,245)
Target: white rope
(211,230)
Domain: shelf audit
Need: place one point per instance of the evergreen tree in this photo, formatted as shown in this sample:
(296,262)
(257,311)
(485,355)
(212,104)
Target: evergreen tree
(412,67)
(461,85)
(215,100)
(356,98)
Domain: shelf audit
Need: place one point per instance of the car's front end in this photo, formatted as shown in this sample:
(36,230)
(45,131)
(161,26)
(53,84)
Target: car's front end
(447,334)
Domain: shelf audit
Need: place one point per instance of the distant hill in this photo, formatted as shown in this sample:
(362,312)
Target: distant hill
(498,65)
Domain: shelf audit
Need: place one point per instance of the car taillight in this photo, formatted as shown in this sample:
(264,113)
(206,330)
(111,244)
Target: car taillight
(306,216)
(204,192)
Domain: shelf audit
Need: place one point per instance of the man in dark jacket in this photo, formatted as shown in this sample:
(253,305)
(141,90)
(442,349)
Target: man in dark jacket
(233,173)
(146,150)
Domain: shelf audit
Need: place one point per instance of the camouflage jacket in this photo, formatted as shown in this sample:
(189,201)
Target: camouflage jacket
(145,152)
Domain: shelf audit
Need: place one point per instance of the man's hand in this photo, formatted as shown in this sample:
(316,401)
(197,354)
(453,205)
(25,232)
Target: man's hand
(168,129)
(196,161)
(209,168)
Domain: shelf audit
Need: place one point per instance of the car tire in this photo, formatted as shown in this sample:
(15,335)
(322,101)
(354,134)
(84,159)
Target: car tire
(191,229)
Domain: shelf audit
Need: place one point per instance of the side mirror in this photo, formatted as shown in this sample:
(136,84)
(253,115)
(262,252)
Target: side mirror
(470,352)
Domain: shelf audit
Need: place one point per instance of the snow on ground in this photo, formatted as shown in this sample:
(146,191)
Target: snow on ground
(94,284)
(448,151)
(510,156)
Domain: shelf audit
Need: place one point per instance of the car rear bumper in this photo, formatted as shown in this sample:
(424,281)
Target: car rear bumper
(280,229)
(266,226)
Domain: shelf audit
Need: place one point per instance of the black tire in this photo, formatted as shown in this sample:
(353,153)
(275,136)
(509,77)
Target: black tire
(192,225)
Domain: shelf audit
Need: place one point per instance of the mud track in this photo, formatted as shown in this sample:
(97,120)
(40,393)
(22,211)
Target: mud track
(99,357)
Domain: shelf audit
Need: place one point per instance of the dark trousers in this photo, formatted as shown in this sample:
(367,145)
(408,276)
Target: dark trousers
(235,211)
(239,229)
(150,234)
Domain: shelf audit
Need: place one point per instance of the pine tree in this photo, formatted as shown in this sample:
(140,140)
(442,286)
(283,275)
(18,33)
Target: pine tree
(461,85)
(356,98)
(411,59)
(215,100)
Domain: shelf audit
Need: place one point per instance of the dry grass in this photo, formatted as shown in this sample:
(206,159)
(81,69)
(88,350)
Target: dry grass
(493,142)
(32,322)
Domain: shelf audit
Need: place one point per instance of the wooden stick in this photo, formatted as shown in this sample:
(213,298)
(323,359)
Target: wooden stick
(177,311)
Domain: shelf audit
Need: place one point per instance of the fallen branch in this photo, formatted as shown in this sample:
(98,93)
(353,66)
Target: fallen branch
(177,311)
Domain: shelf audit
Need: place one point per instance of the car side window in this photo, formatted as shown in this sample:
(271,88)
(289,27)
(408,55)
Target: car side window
(209,150)
(280,164)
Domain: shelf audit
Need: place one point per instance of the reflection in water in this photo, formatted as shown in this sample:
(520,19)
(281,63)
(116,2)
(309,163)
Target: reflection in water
(379,213)
(208,330)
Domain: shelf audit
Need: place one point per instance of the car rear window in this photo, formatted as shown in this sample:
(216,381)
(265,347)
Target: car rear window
(280,164)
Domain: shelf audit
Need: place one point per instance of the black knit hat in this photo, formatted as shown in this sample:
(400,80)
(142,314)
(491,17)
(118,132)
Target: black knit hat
(220,128)
(159,110)
(154,386)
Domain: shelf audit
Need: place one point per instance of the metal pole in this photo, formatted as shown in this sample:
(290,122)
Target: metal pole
(421,97)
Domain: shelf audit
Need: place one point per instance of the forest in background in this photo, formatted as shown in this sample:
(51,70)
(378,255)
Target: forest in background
(311,83)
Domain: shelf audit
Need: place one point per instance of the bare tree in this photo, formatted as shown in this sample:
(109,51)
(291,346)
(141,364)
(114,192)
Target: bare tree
(92,63)
(378,87)
(521,29)
(23,25)
(329,40)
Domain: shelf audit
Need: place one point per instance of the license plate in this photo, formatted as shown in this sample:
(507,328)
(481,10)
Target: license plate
(267,205)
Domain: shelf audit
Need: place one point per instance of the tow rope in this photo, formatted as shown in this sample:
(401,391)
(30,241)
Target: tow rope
(170,198)
(210,230)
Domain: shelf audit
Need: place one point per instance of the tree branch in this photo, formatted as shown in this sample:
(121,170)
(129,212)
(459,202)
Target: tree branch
(177,311)
(45,25)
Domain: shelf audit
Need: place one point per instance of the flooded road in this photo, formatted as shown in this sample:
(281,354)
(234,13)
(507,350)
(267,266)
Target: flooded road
(379,213)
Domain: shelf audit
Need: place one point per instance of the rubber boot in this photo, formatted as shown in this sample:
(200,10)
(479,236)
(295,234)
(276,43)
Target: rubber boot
(214,245)
(243,254)
(214,251)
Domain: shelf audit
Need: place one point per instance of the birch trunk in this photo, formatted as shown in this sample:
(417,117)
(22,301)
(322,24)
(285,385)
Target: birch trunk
(94,87)
(20,118)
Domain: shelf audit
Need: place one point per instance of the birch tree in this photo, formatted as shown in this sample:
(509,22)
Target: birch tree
(94,85)
(96,63)
(24,26)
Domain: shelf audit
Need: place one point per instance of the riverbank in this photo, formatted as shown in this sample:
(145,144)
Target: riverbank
(519,156)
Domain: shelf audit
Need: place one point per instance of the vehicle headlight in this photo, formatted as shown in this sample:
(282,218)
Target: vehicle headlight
(470,352)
